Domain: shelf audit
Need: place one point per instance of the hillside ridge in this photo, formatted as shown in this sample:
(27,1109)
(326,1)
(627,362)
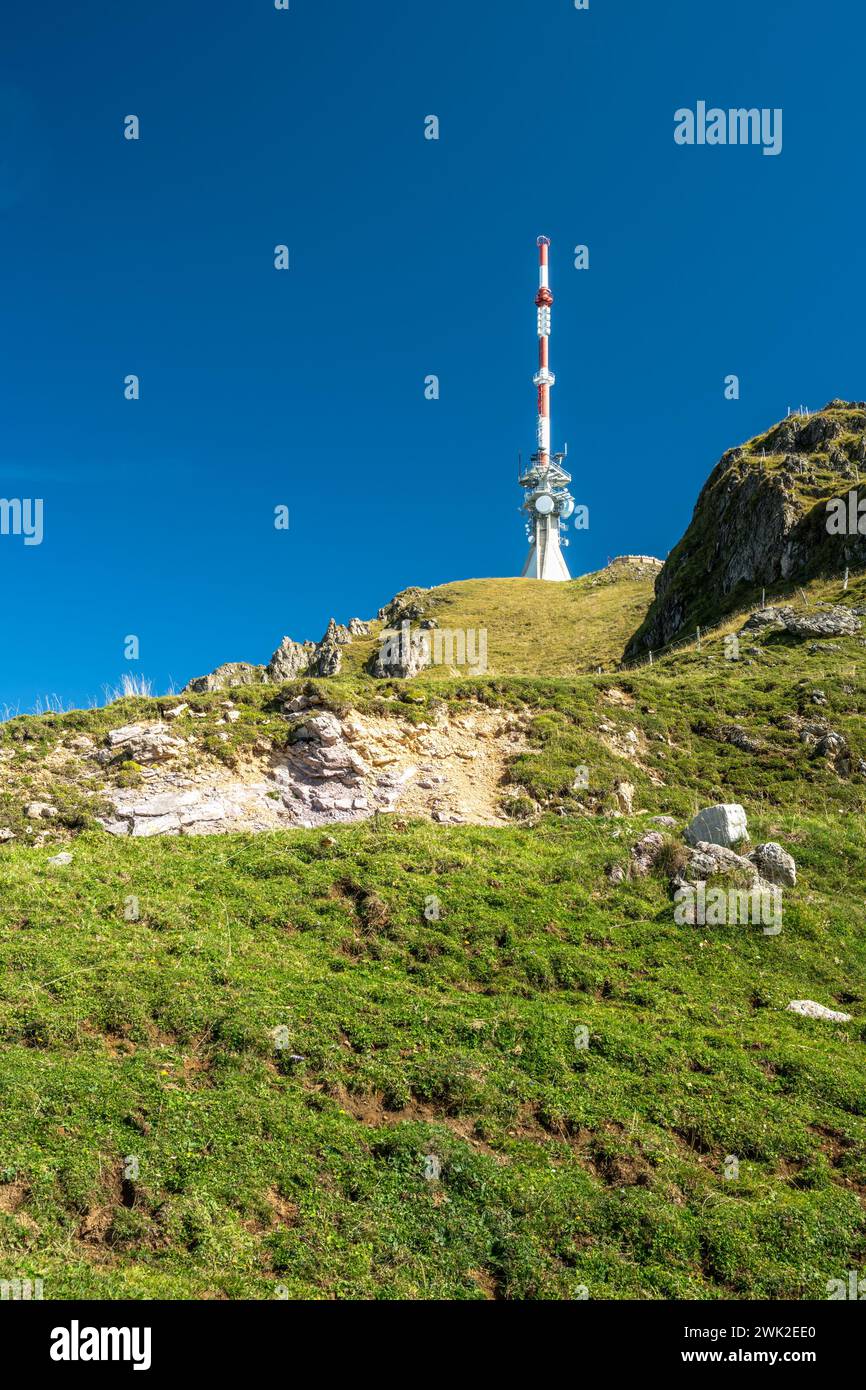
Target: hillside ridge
(761,520)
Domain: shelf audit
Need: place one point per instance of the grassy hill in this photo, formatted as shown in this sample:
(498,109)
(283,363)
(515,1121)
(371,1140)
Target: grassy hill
(538,629)
(531,628)
(234,1066)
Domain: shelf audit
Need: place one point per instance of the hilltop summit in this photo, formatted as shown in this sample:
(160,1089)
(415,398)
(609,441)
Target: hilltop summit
(532,628)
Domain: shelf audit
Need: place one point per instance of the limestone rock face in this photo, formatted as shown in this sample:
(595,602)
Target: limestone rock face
(833,621)
(327,659)
(290,660)
(723,825)
(145,743)
(227,677)
(760,519)
(331,769)
(403,653)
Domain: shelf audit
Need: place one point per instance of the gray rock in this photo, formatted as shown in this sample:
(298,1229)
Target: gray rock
(156,825)
(831,745)
(737,737)
(707,859)
(290,660)
(226,677)
(403,653)
(764,618)
(40,810)
(323,728)
(719,825)
(327,659)
(834,622)
(645,853)
(807,1008)
(59,861)
(208,811)
(774,864)
(116,827)
(142,743)
(164,804)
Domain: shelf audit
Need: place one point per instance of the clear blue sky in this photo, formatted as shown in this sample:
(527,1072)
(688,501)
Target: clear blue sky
(408,258)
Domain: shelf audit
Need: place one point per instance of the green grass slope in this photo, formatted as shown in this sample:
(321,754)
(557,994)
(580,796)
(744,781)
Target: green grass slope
(534,628)
(234,1066)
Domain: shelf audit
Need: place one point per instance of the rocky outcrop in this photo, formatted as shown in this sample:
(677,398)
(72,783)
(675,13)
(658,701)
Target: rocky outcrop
(145,743)
(761,519)
(327,659)
(403,653)
(290,661)
(832,621)
(641,566)
(408,606)
(334,769)
(227,677)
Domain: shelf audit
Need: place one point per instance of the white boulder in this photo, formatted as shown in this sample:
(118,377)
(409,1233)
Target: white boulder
(723,825)
(807,1008)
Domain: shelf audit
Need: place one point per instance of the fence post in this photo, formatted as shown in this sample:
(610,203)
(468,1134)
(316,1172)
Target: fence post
(651,658)
(845,585)
(699,639)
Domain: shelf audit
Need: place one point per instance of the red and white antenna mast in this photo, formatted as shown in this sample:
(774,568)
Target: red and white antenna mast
(544,378)
(548,501)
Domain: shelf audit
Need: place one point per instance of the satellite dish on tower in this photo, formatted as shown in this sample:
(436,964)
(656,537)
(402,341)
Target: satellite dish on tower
(567,508)
(544,504)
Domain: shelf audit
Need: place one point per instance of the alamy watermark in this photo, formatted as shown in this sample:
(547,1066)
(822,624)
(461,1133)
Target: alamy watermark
(700,906)
(20,1289)
(738,126)
(434,647)
(22,516)
(77,1343)
(846,516)
(854,1287)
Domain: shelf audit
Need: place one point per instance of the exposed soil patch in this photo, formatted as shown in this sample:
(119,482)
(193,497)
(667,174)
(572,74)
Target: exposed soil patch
(334,770)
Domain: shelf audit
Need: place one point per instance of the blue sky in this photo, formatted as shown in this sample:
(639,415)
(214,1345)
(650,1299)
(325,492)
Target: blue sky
(408,258)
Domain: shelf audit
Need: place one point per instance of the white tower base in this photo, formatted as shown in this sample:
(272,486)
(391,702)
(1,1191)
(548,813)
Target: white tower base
(545,559)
